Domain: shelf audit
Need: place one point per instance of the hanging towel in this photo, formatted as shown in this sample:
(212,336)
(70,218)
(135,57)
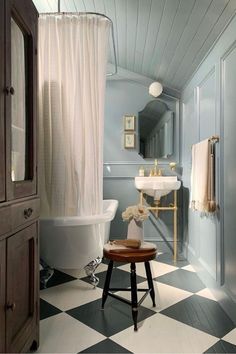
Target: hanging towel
(202,177)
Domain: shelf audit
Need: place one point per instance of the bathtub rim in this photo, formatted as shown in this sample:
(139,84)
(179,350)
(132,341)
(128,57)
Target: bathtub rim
(106,216)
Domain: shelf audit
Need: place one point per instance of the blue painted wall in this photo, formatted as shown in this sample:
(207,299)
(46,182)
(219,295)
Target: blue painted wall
(127,96)
(208,108)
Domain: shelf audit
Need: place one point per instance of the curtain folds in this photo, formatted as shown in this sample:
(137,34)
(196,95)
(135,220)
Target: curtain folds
(72,76)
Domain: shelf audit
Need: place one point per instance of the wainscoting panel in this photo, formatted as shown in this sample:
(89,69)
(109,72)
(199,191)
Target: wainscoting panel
(199,123)
(211,244)
(207,103)
(229,121)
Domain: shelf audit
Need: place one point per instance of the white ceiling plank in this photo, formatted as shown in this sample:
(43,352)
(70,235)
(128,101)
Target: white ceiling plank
(144,14)
(67,6)
(42,6)
(88,5)
(121,19)
(153,28)
(99,6)
(110,9)
(170,11)
(161,39)
(132,21)
(212,15)
(79,4)
(180,23)
(218,28)
(195,19)
(110,51)
(53,5)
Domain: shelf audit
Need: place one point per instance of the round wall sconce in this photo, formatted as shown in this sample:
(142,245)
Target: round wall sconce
(155,89)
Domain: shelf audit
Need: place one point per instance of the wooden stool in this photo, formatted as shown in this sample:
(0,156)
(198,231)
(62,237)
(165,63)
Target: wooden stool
(145,253)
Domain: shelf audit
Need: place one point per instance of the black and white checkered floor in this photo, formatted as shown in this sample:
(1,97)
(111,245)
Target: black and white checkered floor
(187,318)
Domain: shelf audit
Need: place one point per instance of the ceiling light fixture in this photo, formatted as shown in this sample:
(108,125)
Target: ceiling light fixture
(155,89)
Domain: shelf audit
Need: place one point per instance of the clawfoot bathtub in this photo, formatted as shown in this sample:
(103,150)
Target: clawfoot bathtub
(73,242)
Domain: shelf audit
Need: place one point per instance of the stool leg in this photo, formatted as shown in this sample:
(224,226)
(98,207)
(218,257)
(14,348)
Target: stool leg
(150,282)
(107,283)
(134,299)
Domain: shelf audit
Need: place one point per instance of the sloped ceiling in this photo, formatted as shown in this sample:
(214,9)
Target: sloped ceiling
(164,40)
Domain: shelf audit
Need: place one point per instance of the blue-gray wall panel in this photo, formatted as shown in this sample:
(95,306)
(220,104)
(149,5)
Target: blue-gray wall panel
(229,109)
(209,108)
(126,96)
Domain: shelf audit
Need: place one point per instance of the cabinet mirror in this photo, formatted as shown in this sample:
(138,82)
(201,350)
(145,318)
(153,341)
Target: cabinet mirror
(18,104)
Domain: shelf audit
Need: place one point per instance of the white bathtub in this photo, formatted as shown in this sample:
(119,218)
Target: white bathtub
(72,242)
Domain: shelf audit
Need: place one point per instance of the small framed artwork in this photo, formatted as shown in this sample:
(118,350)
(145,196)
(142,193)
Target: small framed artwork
(129,140)
(129,122)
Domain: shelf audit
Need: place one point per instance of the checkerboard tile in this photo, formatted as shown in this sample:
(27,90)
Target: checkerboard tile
(206,293)
(70,295)
(182,279)
(64,334)
(189,268)
(106,346)
(222,347)
(231,336)
(119,278)
(168,259)
(115,317)
(186,319)
(157,268)
(160,334)
(58,278)
(80,273)
(201,313)
(47,310)
(165,296)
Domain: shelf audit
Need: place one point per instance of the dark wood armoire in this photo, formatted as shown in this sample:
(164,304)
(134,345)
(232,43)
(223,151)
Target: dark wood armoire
(19,201)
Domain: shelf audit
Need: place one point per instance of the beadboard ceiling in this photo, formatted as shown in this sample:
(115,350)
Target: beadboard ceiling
(164,40)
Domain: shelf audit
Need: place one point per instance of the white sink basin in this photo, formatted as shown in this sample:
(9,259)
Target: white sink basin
(158,186)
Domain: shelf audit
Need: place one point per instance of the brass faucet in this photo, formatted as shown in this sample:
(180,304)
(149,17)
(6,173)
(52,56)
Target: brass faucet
(155,171)
(159,173)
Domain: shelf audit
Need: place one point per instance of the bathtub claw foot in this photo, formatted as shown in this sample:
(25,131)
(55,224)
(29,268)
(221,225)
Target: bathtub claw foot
(94,280)
(45,273)
(90,269)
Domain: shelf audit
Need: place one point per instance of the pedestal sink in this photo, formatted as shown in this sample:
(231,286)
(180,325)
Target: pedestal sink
(158,186)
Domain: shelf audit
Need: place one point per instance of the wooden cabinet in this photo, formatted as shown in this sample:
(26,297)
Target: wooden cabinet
(22,293)
(2,294)
(20,97)
(2,120)
(19,201)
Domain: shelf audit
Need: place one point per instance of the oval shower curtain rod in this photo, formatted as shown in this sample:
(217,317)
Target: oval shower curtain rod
(89,13)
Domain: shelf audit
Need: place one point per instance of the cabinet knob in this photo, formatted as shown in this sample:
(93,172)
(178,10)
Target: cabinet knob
(28,212)
(10,306)
(10,90)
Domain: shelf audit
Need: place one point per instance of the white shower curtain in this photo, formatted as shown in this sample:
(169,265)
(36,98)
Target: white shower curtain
(72,75)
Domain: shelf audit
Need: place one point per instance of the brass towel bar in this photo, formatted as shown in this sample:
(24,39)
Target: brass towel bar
(214,139)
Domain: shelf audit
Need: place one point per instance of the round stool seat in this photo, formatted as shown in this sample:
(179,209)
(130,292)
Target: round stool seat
(118,253)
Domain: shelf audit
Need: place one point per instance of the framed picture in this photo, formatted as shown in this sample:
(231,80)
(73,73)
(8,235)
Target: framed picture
(129,140)
(129,122)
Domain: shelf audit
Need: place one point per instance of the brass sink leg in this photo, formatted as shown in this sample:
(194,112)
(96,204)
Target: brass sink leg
(157,204)
(141,198)
(172,207)
(175,226)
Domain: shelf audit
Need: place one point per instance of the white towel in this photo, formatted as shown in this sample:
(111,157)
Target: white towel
(202,178)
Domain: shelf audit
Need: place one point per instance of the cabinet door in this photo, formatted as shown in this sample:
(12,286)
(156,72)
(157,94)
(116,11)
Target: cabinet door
(20,97)
(2,128)
(2,294)
(22,289)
